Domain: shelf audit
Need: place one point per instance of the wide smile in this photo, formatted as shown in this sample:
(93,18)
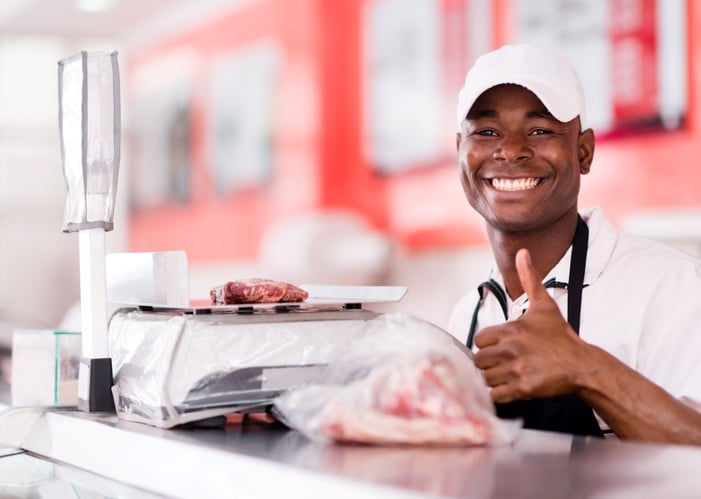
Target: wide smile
(515,184)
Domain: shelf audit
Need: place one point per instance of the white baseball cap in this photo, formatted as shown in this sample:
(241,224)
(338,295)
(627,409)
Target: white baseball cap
(545,73)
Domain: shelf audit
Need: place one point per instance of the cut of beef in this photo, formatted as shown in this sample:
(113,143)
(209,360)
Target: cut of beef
(256,290)
(293,294)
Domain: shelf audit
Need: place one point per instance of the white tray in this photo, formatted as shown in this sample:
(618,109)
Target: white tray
(321,297)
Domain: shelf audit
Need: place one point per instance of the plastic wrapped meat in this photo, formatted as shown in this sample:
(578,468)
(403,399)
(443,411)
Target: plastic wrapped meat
(405,381)
(256,290)
(409,402)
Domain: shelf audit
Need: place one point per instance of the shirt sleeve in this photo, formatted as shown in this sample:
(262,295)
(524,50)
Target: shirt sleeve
(670,347)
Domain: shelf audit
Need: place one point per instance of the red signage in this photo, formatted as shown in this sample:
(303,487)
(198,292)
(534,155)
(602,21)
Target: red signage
(634,63)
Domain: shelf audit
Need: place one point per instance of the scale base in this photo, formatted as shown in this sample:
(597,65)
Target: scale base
(95,385)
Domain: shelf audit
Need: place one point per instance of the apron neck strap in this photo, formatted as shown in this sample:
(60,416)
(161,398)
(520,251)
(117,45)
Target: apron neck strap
(578,263)
(574,286)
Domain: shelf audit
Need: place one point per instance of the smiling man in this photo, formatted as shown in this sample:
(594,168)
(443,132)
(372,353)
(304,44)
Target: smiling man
(579,328)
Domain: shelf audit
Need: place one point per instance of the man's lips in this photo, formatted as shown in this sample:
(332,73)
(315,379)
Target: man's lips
(514,184)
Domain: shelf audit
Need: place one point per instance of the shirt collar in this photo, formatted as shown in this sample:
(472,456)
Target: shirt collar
(602,239)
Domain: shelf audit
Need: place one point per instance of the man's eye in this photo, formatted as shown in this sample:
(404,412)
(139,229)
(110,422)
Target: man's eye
(486,133)
(540,131)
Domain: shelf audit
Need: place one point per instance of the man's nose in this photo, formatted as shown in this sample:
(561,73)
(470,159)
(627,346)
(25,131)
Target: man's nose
(513,149)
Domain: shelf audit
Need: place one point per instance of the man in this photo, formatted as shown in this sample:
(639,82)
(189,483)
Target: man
(580,328)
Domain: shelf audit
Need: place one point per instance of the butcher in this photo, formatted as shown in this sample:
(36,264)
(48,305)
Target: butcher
(578,328)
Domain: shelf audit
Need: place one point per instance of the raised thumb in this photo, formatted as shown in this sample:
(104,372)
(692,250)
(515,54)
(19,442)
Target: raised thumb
(530,281)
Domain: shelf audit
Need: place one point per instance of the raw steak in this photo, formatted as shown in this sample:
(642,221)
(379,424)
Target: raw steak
(256,290)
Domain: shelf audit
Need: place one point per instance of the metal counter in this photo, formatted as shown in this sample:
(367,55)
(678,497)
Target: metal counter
(27,476)
(255,458)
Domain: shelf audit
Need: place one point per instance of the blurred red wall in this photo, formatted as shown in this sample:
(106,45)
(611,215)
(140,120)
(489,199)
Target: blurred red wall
(325,168)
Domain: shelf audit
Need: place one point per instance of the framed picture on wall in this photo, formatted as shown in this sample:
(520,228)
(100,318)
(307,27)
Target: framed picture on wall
(242,89)
(630,55)
(159,126)
(403,103)
(416,53)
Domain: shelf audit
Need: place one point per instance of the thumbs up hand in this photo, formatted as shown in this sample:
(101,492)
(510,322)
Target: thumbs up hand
(537,355)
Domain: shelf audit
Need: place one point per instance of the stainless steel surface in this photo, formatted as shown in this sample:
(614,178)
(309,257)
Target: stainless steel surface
(23,475)
(262,312)
(257,455)
(267,310)
(538,465)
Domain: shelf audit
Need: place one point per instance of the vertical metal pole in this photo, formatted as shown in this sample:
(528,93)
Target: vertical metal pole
(95,374)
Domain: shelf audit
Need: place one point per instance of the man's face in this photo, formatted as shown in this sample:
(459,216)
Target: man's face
(520,167)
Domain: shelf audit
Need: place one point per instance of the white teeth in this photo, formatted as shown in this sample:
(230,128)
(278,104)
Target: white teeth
(515,184)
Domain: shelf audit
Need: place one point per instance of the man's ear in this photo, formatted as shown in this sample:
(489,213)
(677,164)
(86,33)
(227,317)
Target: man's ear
(585,150)
(457,141)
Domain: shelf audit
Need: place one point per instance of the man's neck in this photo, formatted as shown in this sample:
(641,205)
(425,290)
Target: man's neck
(547,247)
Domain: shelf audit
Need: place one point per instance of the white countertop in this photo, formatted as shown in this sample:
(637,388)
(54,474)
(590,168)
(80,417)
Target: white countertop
(260,459)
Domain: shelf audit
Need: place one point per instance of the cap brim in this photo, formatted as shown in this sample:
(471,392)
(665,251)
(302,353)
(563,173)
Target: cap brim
(563,108)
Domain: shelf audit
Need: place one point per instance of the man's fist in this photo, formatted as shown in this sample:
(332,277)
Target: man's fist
(537,355)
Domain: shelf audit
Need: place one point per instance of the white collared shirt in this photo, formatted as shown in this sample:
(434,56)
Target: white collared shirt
(641,303)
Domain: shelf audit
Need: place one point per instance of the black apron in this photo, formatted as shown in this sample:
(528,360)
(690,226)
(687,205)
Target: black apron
(562,413)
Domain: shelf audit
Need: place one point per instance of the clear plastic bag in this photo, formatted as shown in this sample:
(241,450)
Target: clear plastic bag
(404,381)
(173,368)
